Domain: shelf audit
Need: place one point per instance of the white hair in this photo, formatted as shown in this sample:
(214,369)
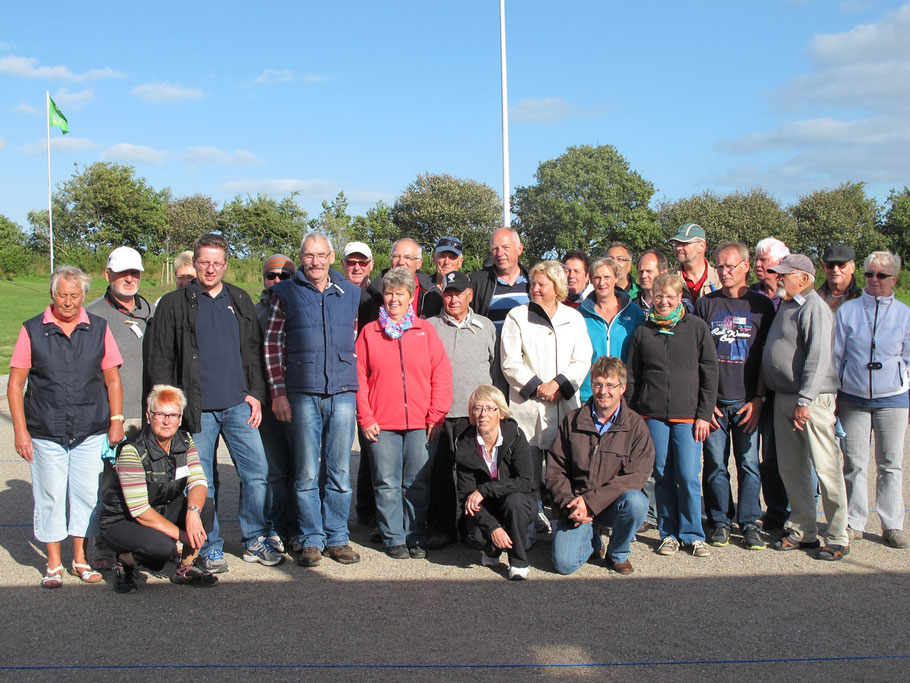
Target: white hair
(773,247)
(316,236)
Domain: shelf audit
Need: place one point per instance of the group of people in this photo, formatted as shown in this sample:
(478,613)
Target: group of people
(479,401)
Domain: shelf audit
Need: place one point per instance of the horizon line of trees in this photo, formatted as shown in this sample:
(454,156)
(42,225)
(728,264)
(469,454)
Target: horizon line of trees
(586,198)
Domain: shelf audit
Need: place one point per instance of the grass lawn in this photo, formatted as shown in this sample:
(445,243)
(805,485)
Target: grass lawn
(24,298)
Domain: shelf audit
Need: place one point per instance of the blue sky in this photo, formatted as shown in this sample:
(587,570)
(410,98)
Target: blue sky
(362,96)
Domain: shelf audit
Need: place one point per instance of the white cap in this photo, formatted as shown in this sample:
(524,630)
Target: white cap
(124,258)
(357,248)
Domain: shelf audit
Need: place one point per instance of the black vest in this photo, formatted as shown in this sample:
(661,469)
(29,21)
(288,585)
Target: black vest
(66,399)
(160,476)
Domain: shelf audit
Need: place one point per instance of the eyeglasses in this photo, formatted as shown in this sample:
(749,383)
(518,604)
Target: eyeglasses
(480,410)
(321,256)
(727,266)
(356,263)
(406,257)
(880,276)
(666,297)
(214,265)
(278,276)
(597,386)
(621,258)
(833,265)
(164,417)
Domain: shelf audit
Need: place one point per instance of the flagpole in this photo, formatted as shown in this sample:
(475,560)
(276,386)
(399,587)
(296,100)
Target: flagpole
(506,185)
(50,214)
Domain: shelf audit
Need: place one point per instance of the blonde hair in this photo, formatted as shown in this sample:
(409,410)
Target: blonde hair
(667,281)
(487,392)
(556,273)
(182,260)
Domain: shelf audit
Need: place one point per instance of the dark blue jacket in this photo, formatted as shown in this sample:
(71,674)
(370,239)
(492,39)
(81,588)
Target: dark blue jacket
(320,330)
(66,399)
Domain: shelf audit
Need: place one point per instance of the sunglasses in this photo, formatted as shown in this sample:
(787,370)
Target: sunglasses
(351,262)
(278,276)
(880,276)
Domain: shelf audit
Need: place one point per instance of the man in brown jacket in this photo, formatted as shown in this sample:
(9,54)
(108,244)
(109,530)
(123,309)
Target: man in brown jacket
(597,467)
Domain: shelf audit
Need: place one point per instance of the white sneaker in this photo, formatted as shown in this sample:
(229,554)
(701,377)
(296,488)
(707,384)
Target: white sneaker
(518,573)
(668,546)
(488,561)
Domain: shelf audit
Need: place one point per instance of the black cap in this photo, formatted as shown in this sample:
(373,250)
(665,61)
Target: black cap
(838,253)
(456,280)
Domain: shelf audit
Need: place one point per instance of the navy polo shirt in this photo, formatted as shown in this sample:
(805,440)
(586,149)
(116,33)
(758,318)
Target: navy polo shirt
(220,362)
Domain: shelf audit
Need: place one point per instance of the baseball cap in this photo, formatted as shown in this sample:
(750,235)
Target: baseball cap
(357,248)
(452,244)
(688,232)
(456,280)
(793,262)
(124,258)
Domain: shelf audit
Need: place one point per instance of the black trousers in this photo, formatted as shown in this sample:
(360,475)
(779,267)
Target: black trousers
(443,512)
(150,547)
(514,513)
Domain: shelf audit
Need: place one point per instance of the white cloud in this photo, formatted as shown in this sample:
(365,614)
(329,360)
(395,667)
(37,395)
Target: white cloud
(24,108)
(545,110)
(273,76)
(124,151)
(59,144)
(880,130)
(25,67)
(73,100)
(309,189)
(165,92)
(315,78)
(218,157)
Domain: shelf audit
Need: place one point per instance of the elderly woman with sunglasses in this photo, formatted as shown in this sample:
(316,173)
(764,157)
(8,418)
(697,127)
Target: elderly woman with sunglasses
(872,356)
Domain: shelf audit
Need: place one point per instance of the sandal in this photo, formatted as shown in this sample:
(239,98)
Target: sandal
(87,575)
(833,553)
(53,578)
(787,543)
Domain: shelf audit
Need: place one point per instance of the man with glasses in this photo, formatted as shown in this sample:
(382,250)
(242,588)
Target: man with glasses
(206,340)
(840,283)
(427,297)
(598,464)
(739,319)
(689,246)
(357,266)
(621,254)
(312,372)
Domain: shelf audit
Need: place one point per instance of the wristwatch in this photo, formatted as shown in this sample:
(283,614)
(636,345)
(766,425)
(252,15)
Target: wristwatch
(804,402)
(194,508)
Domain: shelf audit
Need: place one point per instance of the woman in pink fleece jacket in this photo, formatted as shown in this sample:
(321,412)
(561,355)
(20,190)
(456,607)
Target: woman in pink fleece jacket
(404,395)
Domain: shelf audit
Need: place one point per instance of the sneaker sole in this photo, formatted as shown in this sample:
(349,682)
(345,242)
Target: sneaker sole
(719,545)
(260,560)
(218,568)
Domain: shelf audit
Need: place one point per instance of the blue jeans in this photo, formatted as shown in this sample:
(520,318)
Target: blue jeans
(716,477)
(61,473)
(677,464)
(281,504)
(401,479)
(323,433)
(573,545)
(245,446)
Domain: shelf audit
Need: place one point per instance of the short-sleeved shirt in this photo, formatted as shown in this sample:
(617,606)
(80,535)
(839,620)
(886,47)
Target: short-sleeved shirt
(22,352)
(220,363)
(739,327)
(505,298)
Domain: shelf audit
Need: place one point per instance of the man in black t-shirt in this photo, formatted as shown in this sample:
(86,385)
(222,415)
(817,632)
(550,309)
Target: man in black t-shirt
(739,320)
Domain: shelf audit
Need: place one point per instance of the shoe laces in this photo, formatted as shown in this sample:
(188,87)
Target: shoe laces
(216,554)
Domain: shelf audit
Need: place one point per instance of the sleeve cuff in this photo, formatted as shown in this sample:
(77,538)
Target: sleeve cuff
(565,387)
(527,391)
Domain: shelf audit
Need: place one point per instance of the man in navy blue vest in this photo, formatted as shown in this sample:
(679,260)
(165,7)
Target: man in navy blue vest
(312,372)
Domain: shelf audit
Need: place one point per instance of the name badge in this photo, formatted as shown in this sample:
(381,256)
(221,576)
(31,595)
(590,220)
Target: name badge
(182,472)
(134,328)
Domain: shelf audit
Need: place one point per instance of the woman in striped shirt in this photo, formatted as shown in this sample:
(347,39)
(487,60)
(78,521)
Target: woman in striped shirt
(154,497)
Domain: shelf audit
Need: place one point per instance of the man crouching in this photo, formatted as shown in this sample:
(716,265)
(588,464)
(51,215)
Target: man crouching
(598,464)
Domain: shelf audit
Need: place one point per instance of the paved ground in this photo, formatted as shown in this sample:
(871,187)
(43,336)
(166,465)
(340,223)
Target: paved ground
(739,615)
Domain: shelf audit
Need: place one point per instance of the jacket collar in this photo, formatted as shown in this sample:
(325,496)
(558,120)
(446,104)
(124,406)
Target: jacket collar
(584,422)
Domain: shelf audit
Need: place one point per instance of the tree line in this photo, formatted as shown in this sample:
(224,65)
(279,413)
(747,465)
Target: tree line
(585,199)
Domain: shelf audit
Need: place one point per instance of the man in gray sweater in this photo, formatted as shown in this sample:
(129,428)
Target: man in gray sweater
(470,342)
(797,364)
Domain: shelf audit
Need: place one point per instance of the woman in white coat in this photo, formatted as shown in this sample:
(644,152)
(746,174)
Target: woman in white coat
(546,355)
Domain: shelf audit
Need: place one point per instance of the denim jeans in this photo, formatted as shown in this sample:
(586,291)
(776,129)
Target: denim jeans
(573,545)
(716,476)
(60,473)
(245,446)
(889,426)
(323,433)
(281,503)
(677,487)
(401,480)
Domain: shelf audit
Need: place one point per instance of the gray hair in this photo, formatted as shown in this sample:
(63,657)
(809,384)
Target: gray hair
(412,241)
(884,258)
(608,261)
(773,247)
(70,274)
(399,278)
(183,259)
(316,236)
(554,272)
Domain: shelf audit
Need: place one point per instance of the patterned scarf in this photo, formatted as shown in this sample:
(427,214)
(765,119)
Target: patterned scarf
(665,324)
(393,329)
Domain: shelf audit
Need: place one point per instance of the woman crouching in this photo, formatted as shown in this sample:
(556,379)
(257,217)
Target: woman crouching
(156,496)
(495,481)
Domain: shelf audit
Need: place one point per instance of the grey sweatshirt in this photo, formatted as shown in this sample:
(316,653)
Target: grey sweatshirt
(798,356)
(471,347)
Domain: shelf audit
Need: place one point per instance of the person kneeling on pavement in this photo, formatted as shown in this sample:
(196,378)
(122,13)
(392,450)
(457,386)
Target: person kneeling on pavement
(154,496)
(495,481)
(598,465)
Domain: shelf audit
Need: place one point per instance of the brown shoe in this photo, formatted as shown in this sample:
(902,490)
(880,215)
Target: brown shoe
(895,538)
(343,554)
(624,568)
(645,528)
(310,557)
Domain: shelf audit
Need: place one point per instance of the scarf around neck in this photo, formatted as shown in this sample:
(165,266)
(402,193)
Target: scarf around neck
(665,324)
(393,329)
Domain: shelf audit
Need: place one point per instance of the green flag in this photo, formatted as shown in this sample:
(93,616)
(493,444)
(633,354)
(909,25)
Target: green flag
(56,117)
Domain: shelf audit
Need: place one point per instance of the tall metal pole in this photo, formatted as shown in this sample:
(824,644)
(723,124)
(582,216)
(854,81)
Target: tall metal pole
(50,209)
(506,184)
